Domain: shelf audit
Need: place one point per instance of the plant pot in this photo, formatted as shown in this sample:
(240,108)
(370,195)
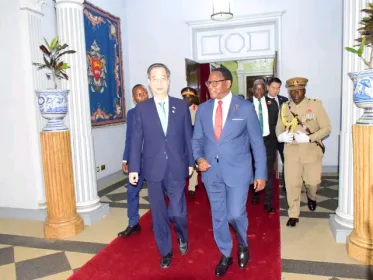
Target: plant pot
(363,94)
(53,106)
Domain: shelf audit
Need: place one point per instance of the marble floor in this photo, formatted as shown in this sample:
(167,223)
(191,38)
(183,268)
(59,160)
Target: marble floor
(309,251)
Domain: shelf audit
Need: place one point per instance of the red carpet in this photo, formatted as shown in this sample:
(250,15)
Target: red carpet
(137,258)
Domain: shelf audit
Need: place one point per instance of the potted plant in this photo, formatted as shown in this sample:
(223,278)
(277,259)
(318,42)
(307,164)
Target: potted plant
(53,103)
(363,80)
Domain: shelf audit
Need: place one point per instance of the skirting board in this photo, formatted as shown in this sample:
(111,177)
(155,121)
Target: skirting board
(326,169)
(89,218)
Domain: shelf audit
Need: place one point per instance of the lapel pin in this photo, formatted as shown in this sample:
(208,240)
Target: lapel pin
(235,107)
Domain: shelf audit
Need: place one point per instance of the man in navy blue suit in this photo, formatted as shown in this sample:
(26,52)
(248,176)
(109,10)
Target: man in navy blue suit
(162,131)
(139,95)
(273,88)
(225,128)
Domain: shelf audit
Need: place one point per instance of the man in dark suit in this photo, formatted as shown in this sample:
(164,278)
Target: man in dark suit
(273,88)
(225,128)
(162,132)
(139,95)
(267,112)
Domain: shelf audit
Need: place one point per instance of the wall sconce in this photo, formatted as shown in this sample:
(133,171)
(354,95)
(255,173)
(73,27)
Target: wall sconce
(221,10)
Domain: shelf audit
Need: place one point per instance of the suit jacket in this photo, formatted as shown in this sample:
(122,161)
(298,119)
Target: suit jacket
(241,130)
(130,114)
(161,153)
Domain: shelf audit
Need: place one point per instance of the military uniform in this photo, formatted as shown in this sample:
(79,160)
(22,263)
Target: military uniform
(303,161)
(190,92)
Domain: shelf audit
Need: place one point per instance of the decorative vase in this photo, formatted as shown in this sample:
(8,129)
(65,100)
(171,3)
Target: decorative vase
(53,106)
(363,94)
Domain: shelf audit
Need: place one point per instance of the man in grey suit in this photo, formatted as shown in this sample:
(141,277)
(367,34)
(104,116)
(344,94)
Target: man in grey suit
(225,128)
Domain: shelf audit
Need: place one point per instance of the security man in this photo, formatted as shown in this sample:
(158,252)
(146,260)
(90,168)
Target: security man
(190,96)
(302,124)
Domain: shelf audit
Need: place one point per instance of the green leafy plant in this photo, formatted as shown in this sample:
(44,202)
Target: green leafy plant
(366,39)
(52,53)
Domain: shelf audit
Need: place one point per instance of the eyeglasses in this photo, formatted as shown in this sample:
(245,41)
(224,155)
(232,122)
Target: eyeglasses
(213,83)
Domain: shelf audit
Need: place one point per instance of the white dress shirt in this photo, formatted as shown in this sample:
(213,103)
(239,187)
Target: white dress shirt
(264,113)
(226,104)
(274,98)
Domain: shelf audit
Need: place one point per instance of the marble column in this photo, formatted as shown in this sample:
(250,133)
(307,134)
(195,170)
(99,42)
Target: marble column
(70,29)
(342,222)
(31,17)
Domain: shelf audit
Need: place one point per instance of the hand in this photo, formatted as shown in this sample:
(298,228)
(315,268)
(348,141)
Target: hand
(133,178)
(286,137)
(191,169)
(125,167)
(259,185)
(301,137)
(203,164)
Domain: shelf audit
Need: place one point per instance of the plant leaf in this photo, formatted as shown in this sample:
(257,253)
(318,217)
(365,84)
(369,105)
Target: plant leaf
(45,50)
(46,62)
(351,50)
(54,43)
(46,42)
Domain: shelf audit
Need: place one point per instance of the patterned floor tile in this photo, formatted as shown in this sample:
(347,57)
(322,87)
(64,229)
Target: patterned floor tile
(43,266)
(26,253)
(8,272)
(6,255)
(77,260)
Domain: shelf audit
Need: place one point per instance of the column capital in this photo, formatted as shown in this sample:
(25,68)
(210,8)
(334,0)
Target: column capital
(76,2)
(33,5)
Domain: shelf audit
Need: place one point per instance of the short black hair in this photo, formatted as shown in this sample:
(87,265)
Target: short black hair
(274,80)
(138,85)
(227,75)
(158,65)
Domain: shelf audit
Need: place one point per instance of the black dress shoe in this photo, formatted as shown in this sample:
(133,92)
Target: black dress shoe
(191,193)
(255,200)
(166,260)
(183,246)
(292,222)
(130,230)
(222,267)
(243,256)
(269,209)
(311,204)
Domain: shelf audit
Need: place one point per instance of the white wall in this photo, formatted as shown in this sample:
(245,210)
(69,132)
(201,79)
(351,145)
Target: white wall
(109,141)
(311,45)
(19,175)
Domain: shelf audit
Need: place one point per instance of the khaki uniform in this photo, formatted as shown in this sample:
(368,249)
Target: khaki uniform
(303,161)
(193,180)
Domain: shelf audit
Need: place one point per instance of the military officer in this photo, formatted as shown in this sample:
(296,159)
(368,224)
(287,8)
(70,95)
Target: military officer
(190,96)
(302,124)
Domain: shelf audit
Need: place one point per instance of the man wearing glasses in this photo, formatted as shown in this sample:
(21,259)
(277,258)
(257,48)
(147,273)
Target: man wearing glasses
(162,132)
(225,128)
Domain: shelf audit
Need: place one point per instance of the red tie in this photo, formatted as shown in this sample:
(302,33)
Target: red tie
(218,120)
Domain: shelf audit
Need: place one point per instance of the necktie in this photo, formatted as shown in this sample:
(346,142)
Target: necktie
(218,120)
(260,114)
(274,103)
(163,117)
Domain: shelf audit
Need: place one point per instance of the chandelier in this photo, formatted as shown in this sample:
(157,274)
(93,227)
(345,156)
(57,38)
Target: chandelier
(221,10)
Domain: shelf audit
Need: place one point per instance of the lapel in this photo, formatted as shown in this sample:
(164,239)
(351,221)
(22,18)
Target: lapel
(209,113)
(153,114)
(171,110)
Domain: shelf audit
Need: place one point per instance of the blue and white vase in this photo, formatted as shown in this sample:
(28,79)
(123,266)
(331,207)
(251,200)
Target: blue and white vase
(363,94)
(53,105)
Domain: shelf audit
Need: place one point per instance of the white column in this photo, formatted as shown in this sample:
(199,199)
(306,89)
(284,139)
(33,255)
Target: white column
(70,29)
(342,222)
(31,16)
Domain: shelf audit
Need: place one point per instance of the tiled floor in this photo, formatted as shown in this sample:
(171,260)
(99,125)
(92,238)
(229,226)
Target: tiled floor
(309,251)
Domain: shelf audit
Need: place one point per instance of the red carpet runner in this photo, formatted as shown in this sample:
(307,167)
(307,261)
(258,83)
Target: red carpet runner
(137,258)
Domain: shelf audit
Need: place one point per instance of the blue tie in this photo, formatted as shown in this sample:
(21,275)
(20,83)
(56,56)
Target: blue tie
(163,117)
